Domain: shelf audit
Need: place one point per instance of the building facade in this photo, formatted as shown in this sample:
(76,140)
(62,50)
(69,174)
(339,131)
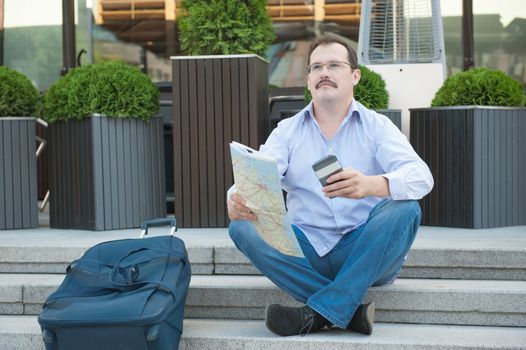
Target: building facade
(144,34)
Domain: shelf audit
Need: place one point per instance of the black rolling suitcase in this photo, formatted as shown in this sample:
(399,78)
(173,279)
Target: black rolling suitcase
(124,294)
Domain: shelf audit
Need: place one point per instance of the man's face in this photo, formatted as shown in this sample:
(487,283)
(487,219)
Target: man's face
(334,82)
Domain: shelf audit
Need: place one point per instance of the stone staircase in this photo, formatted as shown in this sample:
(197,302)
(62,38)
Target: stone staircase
(459,289)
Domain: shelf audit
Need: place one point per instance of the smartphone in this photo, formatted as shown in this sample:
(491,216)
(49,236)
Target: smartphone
(326,167)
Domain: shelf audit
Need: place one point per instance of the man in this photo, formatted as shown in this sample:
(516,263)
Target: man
(355,231)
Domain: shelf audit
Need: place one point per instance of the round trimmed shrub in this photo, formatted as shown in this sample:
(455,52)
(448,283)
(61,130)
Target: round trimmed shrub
(370,91)
(480,86)
(18,96)
(224,27)
(113,89)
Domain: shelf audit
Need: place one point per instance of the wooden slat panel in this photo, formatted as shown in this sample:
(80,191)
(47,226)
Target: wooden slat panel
(194,142)
(252,114)
(185,140)
(177,142)
(285,11)
(200,116)
(347,18)
(160,171)
(243,101)
(234,86)
(137,14)
(473,163)
(227,122)
(129,4)
(3,170)
(7,164)
(17,172)
(170,11)
(18,193)
(342,9)
(42,164)
(223,105)
(293,18)
(134,177)
(210,143)
(286,2)
(99,147)
(87,205)
(219,144)
(113,177)
(127,173)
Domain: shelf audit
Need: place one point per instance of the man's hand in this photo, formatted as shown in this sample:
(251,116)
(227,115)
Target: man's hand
(237,210)
(351,183)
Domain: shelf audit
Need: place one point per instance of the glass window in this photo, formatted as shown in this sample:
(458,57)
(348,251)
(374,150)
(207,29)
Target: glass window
(141,33)
(452,26)
(33,39)
(500,36)
(296,23)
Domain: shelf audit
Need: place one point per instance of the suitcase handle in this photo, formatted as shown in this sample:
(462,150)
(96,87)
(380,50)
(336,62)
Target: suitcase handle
(131,283)
(159,222)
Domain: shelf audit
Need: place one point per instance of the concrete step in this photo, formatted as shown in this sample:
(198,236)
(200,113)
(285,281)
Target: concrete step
(455,302)
(492,254)
(23,332)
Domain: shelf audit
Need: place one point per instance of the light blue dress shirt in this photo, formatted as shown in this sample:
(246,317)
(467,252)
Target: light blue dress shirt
(366,141)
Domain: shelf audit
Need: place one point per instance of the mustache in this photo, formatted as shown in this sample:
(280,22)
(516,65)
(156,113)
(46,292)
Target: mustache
(326,81)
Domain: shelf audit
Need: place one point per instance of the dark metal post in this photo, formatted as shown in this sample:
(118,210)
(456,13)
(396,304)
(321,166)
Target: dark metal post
(467,34)
(68,36)
(144,60)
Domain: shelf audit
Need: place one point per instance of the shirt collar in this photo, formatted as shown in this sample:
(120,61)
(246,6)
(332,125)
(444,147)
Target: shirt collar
(353,111)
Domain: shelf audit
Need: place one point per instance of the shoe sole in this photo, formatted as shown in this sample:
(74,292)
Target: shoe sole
(369,312)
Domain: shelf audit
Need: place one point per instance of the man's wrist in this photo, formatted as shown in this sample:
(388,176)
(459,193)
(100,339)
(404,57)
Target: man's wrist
(379,186)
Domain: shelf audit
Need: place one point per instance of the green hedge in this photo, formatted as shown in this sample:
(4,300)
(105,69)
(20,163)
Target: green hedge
(114,89)
(480,86)
(224,27)
(18,96)
(370,91)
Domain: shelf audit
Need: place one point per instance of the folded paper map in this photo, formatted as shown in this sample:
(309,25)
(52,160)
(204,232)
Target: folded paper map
(257,180)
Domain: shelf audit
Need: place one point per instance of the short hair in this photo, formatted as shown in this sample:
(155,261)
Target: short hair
(327,39)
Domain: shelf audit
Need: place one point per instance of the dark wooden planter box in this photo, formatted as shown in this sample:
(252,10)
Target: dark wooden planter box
(18,173)
(217,99)
(477,157)
(106,173)
(394,114)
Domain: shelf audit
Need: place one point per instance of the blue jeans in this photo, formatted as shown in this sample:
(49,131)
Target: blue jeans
(334,285)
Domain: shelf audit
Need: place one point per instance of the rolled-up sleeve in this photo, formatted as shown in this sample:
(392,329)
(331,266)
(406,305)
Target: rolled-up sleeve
(408,175)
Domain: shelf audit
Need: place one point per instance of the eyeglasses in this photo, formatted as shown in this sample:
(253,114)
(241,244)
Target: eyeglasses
(332,66)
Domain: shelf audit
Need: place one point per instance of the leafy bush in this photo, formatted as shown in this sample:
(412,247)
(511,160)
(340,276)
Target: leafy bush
(113,89)
(480,86)
(18,96)
(223,27)
(370,91)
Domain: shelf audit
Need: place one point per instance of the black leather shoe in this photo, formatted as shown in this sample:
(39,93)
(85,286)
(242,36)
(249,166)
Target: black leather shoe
(363,319)
(286,321)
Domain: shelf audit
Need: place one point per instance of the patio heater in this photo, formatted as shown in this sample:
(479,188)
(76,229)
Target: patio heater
(403,41)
